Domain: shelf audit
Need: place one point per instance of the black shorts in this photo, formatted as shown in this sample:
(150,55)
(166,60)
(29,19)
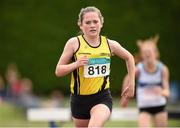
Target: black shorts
(153,110)
(81,105)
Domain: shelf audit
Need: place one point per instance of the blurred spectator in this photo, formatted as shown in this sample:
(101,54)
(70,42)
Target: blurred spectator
(56,100)
(2,90)
(13,81)
(26,98)
(175,92)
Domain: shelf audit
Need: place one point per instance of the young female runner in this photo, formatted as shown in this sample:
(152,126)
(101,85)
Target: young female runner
(152,85)
(88,57)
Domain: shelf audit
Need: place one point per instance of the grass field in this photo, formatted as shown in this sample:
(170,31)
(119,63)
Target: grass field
(11,116)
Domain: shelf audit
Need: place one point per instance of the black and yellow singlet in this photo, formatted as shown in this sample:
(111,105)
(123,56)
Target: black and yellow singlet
(93,77)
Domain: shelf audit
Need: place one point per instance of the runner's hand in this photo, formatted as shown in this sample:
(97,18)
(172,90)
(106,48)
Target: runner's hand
(82,61)
(128,92)
(124,101)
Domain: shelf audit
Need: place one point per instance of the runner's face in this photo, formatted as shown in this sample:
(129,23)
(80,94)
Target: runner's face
(91,24)
(148,52)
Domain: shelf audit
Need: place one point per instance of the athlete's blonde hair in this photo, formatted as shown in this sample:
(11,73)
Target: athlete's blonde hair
(90,9)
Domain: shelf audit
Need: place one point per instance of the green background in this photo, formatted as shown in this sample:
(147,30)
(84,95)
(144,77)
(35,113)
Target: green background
(34,32)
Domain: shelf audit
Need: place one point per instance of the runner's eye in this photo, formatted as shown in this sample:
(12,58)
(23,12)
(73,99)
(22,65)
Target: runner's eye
(88,22)
(95,21)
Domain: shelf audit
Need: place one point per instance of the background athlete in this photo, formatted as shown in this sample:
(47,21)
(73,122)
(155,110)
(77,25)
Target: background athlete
(152,84)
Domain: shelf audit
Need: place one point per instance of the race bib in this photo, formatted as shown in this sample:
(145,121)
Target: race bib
(97,67)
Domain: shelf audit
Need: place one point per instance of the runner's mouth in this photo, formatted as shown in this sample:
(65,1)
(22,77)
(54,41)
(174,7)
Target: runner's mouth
(92,30)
